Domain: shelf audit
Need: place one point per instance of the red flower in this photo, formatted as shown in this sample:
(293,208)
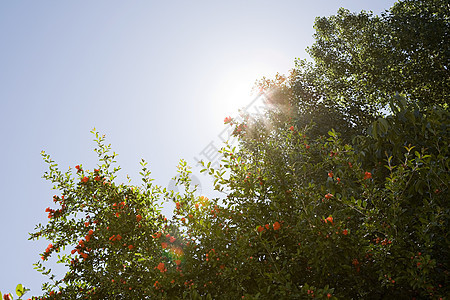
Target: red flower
(164,245)
(276,226)
(84,179)
(96,178)
(330,174)
(260,228)
(227,120)
(178,262)
(367,175)
(267,226)
(91,232)
(84,255)
(172,239)
(130,247)
(183,220)
(118,237)
(345,232)
(291,128)
(329,219)
(6,297)
(161,268)
(328,196)
(307,146)
(178,205)
(138,218)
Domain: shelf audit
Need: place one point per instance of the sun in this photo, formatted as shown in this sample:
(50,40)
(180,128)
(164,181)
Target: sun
(234,90)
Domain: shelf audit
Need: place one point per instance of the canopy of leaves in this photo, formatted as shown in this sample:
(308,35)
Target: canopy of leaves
(325,198)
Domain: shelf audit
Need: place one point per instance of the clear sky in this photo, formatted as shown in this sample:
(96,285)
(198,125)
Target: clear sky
(157,77)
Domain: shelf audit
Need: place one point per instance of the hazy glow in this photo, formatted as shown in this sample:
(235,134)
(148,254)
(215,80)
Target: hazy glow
(233,89)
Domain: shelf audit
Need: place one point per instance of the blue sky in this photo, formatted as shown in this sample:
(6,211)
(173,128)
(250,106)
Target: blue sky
(156,77)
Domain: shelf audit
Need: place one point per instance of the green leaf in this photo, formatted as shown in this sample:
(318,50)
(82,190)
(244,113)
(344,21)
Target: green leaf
(19,290)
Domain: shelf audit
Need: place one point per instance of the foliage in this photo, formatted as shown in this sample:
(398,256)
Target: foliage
(355,209)
(20,292)
(361,61)
(361,58)
(302,217)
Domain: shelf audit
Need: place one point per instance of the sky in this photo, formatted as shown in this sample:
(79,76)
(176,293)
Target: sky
(156,77)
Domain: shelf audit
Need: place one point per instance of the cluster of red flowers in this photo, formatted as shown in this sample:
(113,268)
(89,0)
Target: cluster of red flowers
(227,120)
(161,267)
(276,226)
(54,213)
(115,238)
(367,175)
(329,219)
(81,245)
(47,251)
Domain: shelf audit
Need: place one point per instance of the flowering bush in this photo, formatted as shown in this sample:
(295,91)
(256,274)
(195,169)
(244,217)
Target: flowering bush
(321,221)
(308,212)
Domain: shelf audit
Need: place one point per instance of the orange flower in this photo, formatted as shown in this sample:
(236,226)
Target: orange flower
(178,262)
(329,219)
(367,175)
(178,205)
(138,218)
(172,239)
(164,245)
(118,237)
(328,196)
(84,255)
(276,226)
(161,268)
(183,220)
(260,228)
(330,174)
(267,226)
(291,128)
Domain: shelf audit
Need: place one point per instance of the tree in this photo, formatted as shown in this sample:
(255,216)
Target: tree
(368,59)
(353,209)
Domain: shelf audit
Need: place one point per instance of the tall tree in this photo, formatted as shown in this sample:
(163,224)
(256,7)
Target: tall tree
(364,60)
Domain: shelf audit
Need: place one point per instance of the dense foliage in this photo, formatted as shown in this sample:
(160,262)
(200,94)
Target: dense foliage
(327,197)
